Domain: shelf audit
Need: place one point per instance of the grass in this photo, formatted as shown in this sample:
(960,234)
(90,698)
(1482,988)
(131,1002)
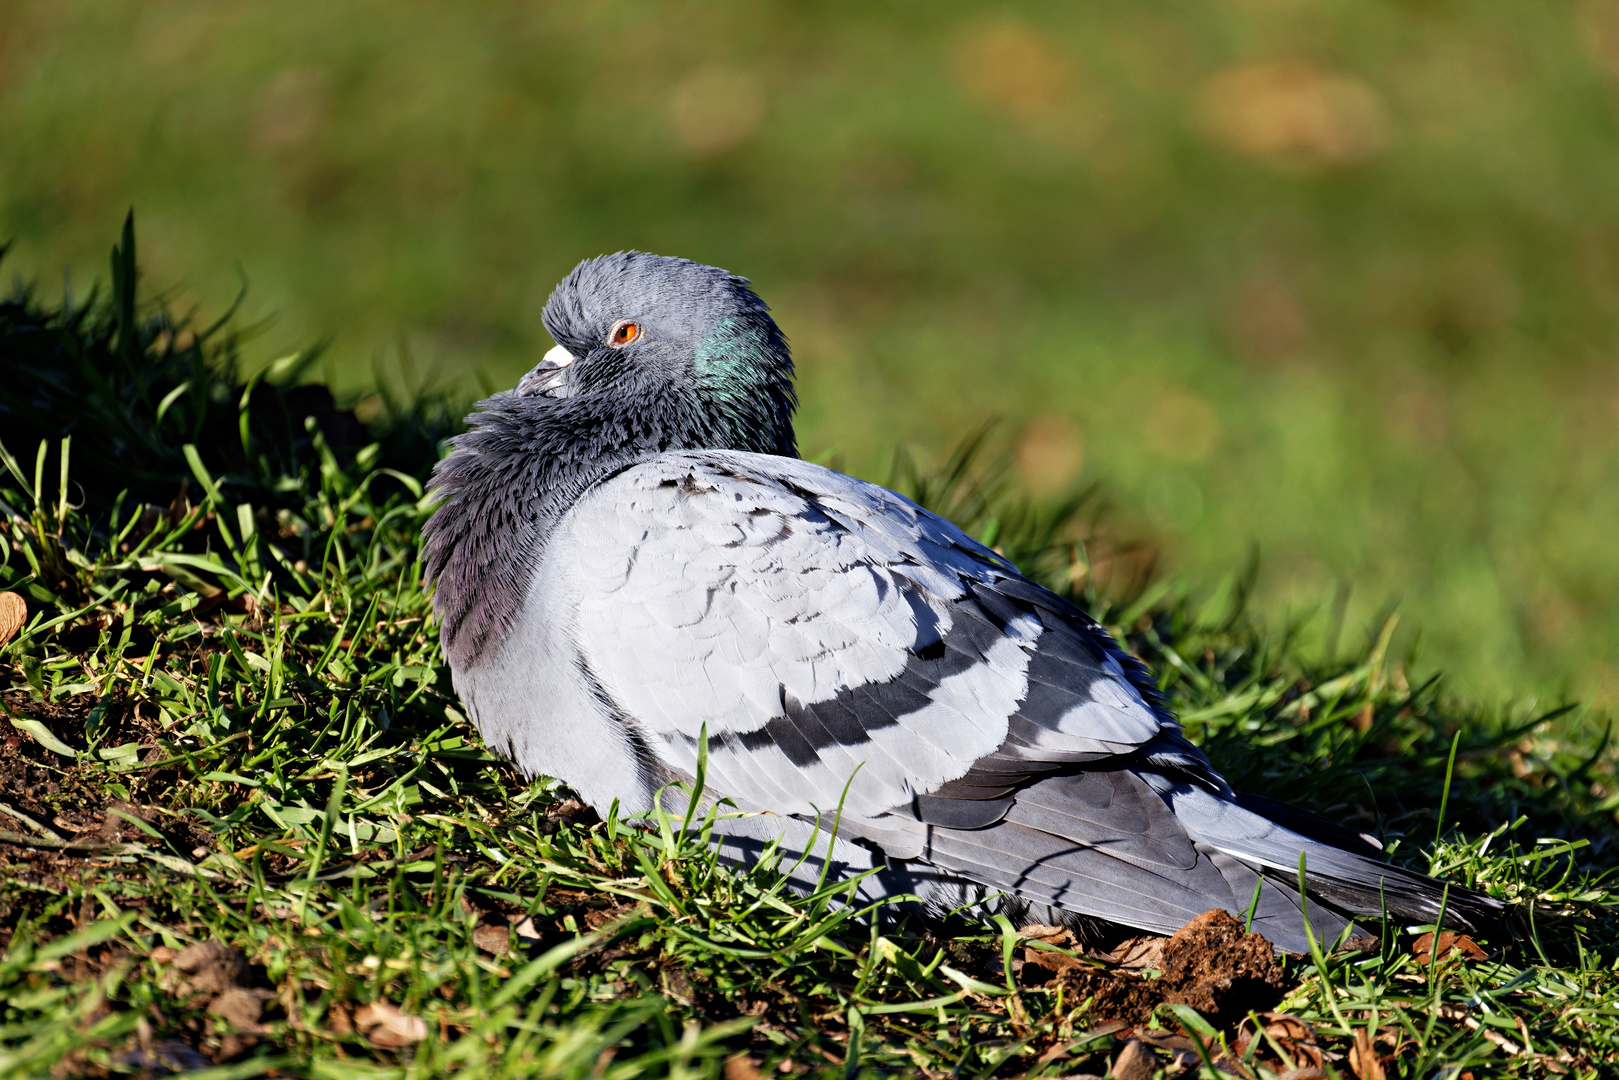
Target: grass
(231,725)
(1337,278)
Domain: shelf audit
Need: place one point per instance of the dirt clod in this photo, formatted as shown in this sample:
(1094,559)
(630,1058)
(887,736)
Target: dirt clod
(1223,973)
(492,939)
(1209,964)
(240,1008)
(211,968)
(571,811)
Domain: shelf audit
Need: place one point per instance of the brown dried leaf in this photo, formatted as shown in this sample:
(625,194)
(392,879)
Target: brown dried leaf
(13,615)
(1135,1062)
(1051,961)
(1292,1036)
(1423,947)
(1136,953)
(383,1024)
(1107,1027)
(1038,965)
(1010,67)
(1294,115)
(1364,1059)
(1166,1040)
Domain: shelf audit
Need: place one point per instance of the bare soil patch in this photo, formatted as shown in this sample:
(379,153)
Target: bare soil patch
(1209,964)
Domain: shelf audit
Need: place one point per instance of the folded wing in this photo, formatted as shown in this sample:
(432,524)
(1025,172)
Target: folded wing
(829,633)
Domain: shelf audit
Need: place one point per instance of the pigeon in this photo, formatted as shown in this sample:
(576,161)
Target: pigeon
(633,572)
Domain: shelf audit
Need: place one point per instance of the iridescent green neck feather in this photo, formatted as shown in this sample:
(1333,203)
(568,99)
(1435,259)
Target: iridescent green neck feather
(744,377)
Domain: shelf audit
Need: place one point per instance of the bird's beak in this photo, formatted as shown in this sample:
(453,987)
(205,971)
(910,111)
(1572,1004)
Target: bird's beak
(548,376)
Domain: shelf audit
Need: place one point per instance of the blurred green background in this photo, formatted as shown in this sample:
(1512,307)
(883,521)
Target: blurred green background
(1333,277)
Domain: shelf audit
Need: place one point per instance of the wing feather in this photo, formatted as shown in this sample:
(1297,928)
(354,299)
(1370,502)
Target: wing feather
(1041,867)
(825,629)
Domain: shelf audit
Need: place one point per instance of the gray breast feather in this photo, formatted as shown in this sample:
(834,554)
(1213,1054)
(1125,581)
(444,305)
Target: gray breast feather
(534,702)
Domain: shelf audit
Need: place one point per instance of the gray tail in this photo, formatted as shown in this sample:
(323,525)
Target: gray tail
(1341,868)
(1145,851)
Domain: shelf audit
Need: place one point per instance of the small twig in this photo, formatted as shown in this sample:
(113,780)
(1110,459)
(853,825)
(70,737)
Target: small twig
(44,831)
(1451,1012)
(24,840)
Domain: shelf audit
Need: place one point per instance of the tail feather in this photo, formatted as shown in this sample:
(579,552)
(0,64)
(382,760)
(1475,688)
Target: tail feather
(1147,851)
(1344,879)
(1278,916)
(1054,871)
(1311,825)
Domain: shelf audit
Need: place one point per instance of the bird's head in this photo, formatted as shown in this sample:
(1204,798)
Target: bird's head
(659,335)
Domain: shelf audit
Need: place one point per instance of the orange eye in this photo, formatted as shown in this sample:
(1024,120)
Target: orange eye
(623,333)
